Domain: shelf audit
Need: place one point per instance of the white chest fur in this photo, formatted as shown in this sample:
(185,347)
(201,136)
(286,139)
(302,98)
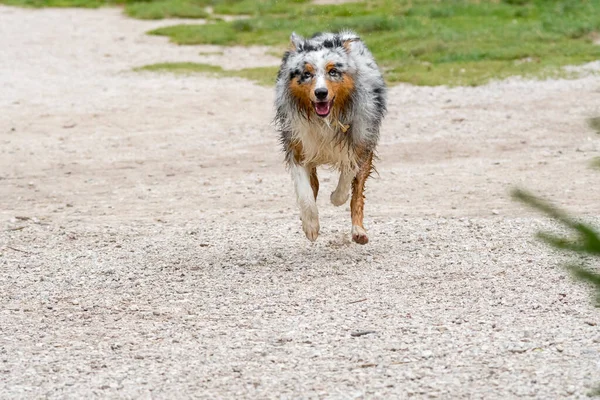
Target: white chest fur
(323,144)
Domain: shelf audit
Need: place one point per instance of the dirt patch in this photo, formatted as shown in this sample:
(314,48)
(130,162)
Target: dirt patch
(150,244)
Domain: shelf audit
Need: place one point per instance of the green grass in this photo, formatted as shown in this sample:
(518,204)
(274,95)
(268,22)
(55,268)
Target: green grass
(166,9)
(145,9)
(424,42)
(57,3)
(262,75)
(594,123)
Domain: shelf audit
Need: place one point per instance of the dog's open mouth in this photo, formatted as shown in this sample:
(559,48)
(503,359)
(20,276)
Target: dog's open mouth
(322,108)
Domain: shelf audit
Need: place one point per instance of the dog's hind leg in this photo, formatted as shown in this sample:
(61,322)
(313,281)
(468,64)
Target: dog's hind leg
(359,235)
(341,193)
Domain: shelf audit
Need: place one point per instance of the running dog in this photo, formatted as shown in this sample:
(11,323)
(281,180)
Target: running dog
(330,101)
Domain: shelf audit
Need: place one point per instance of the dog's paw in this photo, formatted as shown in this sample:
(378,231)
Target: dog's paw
(339,198)
(310,226)
(359,235)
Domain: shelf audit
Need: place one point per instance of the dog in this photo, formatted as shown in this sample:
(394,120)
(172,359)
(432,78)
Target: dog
(330,102)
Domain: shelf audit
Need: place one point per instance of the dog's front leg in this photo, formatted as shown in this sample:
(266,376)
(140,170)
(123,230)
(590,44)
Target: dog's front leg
(306,194)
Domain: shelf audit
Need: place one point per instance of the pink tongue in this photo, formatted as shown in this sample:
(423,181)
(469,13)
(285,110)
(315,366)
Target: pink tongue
(322,108)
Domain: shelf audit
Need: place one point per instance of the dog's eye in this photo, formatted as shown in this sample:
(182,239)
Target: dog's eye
(334,72)
(306,75)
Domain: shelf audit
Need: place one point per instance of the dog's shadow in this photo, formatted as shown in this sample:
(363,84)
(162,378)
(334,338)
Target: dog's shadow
(286,247)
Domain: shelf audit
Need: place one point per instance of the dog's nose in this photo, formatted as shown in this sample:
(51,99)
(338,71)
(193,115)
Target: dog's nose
(321,93)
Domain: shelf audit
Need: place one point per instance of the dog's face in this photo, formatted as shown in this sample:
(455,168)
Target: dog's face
(319,79)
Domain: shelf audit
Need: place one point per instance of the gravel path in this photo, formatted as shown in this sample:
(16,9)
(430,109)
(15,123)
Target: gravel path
(150,246)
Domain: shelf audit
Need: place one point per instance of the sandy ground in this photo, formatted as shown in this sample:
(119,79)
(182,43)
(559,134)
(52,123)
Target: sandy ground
(150,246)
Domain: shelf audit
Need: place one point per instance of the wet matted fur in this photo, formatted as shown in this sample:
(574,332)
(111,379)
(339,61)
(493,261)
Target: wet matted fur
(330,101)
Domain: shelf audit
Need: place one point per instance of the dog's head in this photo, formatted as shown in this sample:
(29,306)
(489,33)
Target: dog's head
(319,73)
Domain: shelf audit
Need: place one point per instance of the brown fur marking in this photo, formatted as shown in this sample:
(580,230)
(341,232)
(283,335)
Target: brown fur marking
(296,150)
(314,181)
(358,186)
(302,92)
(341,91)
(347,44)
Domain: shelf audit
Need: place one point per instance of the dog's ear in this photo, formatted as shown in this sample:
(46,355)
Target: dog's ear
(348,44)
(295,41)
(348,37)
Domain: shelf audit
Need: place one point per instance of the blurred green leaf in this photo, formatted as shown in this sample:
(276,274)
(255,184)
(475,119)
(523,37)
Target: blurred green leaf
(587,241)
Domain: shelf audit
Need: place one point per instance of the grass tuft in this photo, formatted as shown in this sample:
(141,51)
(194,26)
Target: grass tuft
(264,76)
(594,123)
(166,9)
